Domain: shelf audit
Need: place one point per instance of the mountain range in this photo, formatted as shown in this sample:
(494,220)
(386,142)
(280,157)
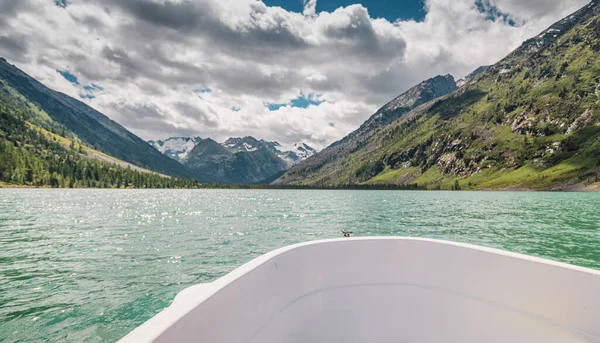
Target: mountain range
(243,160)
(530,121)
(70,121)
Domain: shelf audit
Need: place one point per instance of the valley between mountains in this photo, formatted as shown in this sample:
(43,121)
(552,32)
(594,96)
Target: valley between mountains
(529,122)
(237,160)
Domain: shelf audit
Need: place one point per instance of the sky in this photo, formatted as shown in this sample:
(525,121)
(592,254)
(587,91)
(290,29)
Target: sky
(287,70)
(391,10)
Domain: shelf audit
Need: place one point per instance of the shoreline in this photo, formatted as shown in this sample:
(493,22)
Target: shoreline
(592,188)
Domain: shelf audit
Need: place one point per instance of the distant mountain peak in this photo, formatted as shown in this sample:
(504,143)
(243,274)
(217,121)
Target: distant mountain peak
(305,148)
(176,148)
(296,153)
(291,154)
(237,160)
(248,143)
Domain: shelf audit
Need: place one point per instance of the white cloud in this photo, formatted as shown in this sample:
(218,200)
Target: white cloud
(150,56)
(310,7)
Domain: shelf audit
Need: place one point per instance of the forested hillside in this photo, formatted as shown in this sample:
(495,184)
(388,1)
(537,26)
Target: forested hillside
(37,151)
(92,127)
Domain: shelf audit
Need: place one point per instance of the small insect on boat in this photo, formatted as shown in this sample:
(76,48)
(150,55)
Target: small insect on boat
(386,290)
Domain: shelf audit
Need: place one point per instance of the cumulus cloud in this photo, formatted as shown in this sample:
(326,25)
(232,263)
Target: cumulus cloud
(150,58)
(310,7)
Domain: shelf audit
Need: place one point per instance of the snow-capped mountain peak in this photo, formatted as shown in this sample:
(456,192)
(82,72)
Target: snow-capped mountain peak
(176,147)
(305,150)
(294,153)
(291,154)
(242,144)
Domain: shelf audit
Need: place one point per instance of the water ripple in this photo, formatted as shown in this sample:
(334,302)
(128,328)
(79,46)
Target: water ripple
(90,265)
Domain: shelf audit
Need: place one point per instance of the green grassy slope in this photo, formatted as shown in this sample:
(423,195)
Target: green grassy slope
(91,127)
(36,151)
(322,166)
(532,121)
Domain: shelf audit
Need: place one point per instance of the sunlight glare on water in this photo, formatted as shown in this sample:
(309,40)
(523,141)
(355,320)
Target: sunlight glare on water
(91,265)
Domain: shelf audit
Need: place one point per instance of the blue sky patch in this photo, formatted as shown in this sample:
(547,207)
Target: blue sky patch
(302,101)
(86,91)
(89,91)
(391,10)
(235,109)
(61,3)
(92,88)
(493,13)
(69,77)
(203,90)
(274,107)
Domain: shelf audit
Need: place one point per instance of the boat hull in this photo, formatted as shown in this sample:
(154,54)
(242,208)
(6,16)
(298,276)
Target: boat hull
(386,290)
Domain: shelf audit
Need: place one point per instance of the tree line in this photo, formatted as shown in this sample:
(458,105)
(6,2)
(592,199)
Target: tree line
(412,186)
(28,157)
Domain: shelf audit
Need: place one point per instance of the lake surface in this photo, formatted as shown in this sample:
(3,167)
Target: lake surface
(91,265)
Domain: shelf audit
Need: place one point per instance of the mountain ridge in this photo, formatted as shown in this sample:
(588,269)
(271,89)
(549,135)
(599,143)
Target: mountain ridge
(221,164)
(399,107)
(92,127)
(218,164)
(471,77)
(530,121)
(36,151)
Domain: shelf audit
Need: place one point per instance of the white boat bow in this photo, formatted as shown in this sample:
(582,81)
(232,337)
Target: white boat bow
(386,290)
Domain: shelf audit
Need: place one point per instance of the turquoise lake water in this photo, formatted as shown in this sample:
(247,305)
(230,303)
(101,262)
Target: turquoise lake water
(91,265)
